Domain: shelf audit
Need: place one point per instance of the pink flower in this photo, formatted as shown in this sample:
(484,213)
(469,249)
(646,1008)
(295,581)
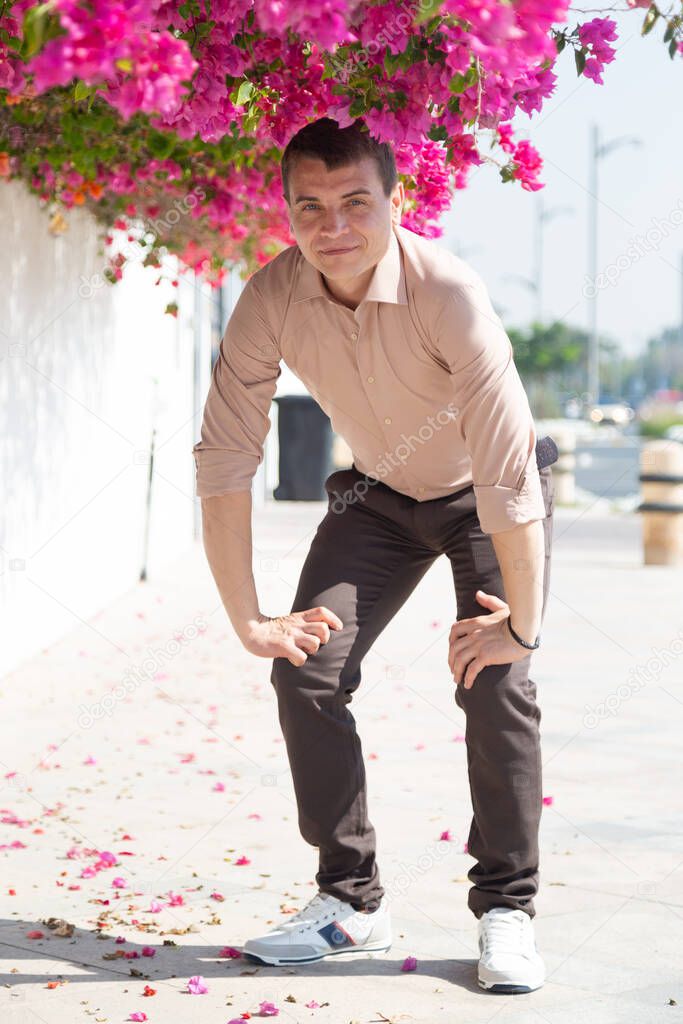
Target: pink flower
(138,1015)
(547,800)
(268,1010)
(242,860)
(196,985)
(230,953)
(409,964)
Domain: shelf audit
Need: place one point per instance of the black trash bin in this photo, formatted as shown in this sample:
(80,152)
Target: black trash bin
(305,436)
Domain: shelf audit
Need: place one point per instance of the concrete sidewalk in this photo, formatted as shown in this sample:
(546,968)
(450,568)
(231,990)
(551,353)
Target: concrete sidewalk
(150,735)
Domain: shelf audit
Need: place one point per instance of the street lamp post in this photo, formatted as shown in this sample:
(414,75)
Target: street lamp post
(598,150)
(535,282)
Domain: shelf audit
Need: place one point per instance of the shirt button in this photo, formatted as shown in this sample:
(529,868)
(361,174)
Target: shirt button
(387,419)
(371,380)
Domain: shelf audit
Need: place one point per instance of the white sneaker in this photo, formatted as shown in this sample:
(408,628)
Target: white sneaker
(509,961)
(325,927)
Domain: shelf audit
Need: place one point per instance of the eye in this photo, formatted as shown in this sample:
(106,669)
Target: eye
(306,206)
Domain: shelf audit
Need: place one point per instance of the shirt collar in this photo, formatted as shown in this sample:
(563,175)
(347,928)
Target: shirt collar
(387,284)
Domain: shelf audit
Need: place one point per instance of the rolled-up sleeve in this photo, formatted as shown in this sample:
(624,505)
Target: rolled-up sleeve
(495,419)
(243,381)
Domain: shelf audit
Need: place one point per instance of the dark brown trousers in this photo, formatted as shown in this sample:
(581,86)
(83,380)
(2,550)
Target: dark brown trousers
(368,554)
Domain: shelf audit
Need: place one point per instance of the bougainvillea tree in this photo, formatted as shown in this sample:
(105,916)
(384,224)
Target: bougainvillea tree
(167,120)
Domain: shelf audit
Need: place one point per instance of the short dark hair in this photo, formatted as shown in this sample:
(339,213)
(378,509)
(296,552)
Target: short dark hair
(338,147)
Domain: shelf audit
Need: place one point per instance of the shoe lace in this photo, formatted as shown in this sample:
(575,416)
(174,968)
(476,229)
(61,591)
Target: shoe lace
(313,912)
(505,932)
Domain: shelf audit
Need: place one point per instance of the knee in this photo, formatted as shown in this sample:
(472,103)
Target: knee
(498,691)
(320,678)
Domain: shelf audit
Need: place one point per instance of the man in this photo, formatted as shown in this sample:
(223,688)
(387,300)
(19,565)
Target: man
(397,340)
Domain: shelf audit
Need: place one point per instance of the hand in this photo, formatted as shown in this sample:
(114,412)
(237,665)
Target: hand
(481,641)
(292,636)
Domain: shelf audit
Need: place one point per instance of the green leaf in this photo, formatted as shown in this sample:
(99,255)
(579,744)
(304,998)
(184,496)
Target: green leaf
(670,29)
(438,133)
(673,48)
(161,145)
(458,83)
(424,15)
(82,90)
(560,43)
(580,58)
(34,28)
(650,19)
(244,93)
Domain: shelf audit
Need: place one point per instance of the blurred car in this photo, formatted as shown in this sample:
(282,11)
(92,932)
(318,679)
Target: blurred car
(674,433)
(615,413)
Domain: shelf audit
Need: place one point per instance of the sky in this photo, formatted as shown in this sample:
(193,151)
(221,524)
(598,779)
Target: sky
(491,224)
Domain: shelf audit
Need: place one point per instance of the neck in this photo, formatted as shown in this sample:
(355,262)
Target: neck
(349,293)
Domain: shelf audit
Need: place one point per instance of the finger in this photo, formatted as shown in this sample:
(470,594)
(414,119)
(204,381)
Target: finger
(463,655)
(319,629)
(324,614)
(296,656)
(307,642)
(463,628)
(453,651)
(490,600)
(473,670)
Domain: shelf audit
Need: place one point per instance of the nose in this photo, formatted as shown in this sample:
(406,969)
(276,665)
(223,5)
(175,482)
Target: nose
(334,224)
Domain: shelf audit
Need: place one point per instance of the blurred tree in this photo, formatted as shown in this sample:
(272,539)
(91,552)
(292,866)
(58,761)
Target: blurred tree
(550,359)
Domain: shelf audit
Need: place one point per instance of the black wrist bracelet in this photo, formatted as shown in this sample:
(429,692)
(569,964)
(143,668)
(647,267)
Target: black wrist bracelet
(530,647)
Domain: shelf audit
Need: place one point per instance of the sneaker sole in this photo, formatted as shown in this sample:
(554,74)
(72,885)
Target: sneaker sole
(508,989)
(277,961)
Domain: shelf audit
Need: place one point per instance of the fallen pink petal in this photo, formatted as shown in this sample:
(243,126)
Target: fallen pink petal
(196,985)
(230,953)
(267,1009)
(409,964)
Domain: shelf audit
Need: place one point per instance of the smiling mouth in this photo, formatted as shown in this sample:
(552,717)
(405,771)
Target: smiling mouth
(337,252)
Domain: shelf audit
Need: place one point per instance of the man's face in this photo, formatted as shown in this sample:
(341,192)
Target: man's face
(341,219)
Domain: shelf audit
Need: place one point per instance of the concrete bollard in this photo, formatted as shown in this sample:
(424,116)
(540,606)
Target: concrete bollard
(661,476)
(564,469)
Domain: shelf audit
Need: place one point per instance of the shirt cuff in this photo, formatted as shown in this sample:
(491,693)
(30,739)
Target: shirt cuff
(223,472)
(502,508)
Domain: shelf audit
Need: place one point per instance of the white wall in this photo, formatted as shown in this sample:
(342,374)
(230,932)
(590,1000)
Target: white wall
(86,372)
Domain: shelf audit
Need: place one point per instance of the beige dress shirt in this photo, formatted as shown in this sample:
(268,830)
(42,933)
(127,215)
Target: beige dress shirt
(419,380)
